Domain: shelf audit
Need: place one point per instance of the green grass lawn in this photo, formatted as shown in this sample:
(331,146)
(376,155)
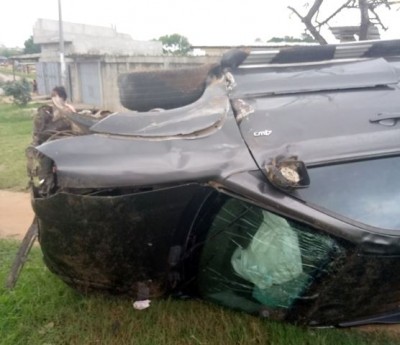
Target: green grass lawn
(42,310)
(15,136)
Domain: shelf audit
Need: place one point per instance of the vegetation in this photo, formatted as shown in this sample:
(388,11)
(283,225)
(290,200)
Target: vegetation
(19,90)
(15,136)
(42,310)
(304,38)
(31,47)
(7,52)
(175,44)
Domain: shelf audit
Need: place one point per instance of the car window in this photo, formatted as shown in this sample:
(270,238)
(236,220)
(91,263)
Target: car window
(365,191)
(253,258)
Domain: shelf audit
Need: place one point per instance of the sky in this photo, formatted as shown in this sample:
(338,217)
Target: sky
(204,22)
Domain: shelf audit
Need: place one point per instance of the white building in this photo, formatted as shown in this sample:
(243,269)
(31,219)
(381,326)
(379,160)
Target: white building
(89,40)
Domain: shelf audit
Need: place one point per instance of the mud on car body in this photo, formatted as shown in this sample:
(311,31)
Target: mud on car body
(270,186)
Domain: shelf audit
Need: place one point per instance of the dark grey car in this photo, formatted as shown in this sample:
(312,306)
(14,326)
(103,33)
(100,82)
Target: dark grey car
(271,186)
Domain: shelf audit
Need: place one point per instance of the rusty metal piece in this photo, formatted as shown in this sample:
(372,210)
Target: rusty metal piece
(242,109)
(22,255)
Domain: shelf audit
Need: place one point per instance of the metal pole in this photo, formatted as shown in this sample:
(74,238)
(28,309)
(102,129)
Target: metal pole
(61,35)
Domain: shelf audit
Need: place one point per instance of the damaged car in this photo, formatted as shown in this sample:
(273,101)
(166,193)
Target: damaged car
(266,183)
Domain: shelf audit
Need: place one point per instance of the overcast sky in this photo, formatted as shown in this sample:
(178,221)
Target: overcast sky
(204,22)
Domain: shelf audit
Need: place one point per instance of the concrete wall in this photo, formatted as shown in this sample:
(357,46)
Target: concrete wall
(89,39)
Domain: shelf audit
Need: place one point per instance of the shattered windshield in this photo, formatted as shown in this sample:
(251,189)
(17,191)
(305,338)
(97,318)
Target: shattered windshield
(253,258)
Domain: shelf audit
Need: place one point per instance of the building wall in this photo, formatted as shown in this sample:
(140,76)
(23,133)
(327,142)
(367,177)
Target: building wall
(89,39)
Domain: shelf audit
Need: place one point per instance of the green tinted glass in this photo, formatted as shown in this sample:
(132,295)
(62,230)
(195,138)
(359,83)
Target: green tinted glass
(253,258)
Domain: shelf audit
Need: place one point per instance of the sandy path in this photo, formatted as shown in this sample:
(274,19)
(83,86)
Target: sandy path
(8,77)
(15,214)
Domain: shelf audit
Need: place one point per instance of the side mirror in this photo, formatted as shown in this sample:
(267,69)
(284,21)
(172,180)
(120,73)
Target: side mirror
(287,173)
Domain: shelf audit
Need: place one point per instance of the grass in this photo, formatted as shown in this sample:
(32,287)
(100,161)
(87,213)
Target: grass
(42,310)
(15,136)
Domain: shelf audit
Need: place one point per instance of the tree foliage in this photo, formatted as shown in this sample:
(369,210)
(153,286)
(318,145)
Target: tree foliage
(7,52)
(31,47)
(305,37)
(368,10)
(19,90)
(175,44)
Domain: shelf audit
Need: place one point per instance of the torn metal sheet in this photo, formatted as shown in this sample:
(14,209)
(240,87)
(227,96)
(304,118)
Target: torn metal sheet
(197,119)
(242,109)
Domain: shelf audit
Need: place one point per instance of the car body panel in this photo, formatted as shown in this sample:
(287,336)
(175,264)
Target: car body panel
(120,161)
(116,242)
(192,121)
(320,127)
(258,82)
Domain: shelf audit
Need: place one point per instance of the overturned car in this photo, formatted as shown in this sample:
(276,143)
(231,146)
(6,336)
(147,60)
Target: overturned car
(266,183)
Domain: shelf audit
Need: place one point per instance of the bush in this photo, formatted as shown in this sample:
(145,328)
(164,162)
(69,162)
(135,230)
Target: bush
(19,90)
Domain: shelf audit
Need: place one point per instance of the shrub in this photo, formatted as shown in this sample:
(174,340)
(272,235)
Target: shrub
(19,90)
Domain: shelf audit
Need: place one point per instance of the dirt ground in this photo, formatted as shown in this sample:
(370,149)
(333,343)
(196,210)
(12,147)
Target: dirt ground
(15,214)
(8,77)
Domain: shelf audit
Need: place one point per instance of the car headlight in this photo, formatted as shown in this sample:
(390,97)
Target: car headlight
(41,171)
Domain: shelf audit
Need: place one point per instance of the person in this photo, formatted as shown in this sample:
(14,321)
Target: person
(59,98)
(34,86)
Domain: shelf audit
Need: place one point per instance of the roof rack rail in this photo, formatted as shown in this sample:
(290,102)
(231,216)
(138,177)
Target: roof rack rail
(317,53)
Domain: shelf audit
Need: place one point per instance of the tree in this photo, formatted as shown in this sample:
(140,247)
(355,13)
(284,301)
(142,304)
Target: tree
(305,37)
(31,47)
(7,52)
(368,9)
(20,90)
(175,44)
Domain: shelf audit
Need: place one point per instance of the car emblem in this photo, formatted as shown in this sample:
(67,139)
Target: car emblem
(267,132)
